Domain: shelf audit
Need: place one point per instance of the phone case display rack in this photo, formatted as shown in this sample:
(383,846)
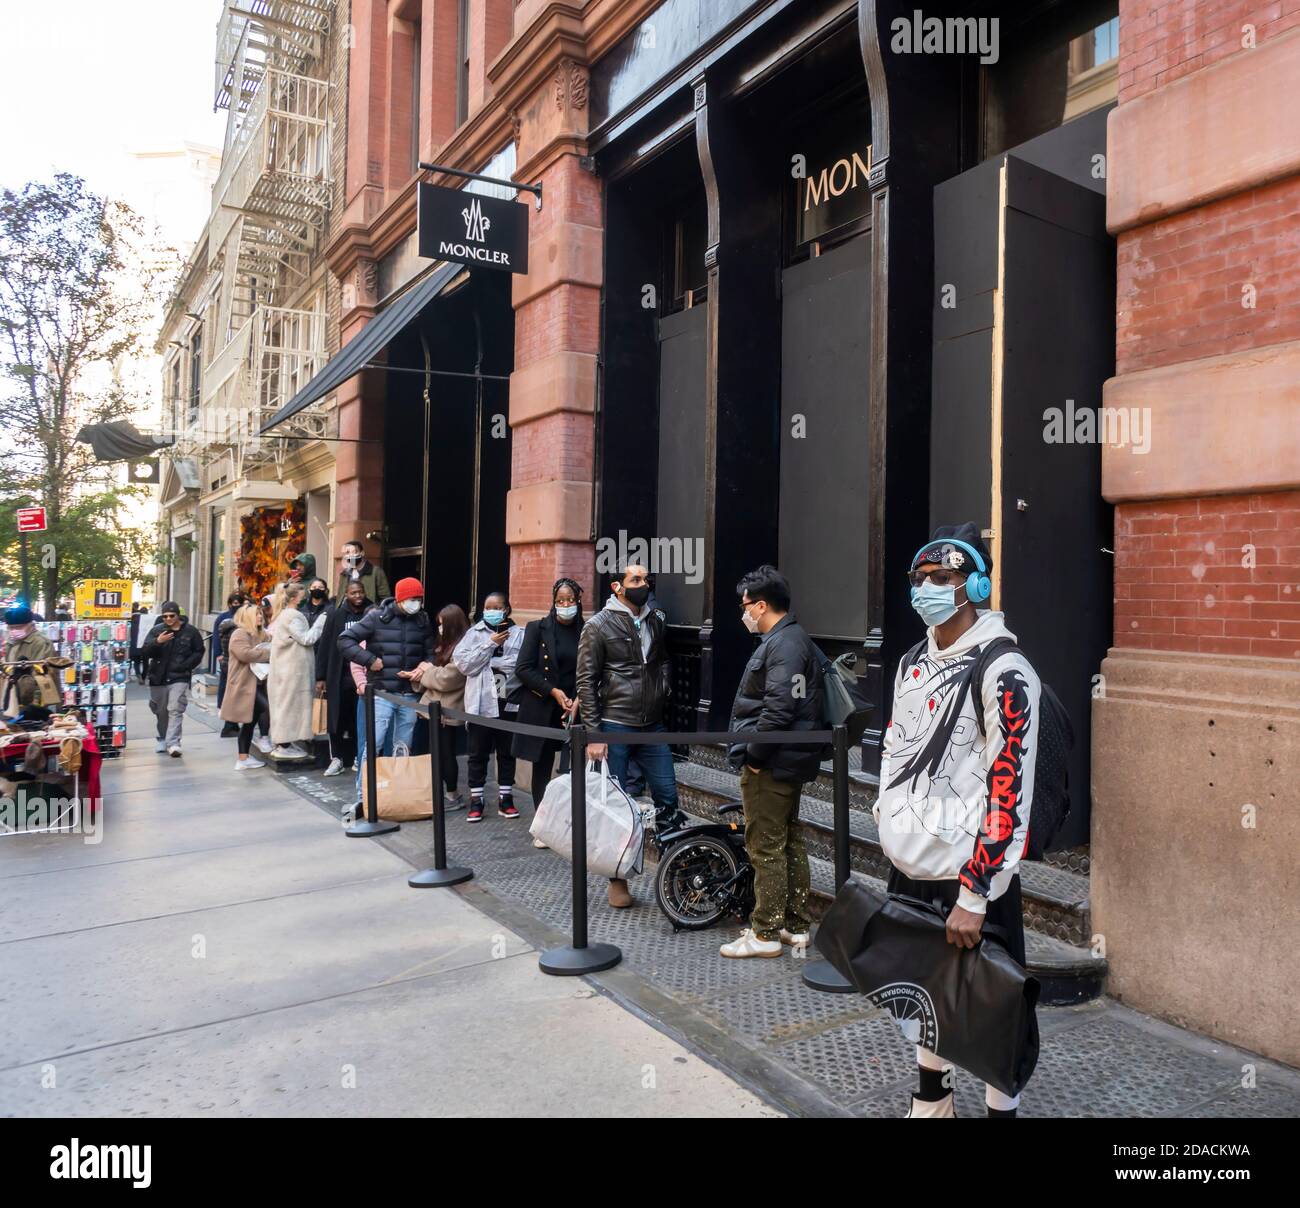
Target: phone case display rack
(95,684)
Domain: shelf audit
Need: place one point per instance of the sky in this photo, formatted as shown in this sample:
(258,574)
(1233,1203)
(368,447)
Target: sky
(84,82)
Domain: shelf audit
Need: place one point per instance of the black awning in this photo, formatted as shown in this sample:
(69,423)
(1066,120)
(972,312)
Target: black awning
(374,338)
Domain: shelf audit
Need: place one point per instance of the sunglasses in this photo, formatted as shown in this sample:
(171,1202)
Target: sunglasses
(940,577)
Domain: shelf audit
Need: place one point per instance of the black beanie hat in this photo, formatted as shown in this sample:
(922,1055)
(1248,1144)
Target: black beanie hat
(19,614)
(941,552)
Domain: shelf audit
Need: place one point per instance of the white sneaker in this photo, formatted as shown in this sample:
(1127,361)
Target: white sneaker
(289,751)
(350,813)
(242,765)
(335,768)
(160,746)
(932,1109)
(174,751)
(798,940)
(750,945)
(263,744)
(539,843)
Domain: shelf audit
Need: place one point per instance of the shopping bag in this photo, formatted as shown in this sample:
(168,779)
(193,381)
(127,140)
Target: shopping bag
(972,1006)
(404,784)
(615,832)
(320,714)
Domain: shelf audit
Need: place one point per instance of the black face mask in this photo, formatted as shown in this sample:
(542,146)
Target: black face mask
(637,596)
(318,595)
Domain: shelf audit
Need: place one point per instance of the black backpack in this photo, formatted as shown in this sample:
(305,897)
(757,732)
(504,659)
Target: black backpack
(1051,804)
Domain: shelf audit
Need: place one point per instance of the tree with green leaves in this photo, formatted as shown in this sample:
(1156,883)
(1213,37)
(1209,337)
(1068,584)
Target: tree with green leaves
(79,286)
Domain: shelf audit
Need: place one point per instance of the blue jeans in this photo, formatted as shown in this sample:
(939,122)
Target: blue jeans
(656,764)
(394,726)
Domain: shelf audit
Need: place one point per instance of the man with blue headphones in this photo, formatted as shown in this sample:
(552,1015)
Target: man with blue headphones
(955,786)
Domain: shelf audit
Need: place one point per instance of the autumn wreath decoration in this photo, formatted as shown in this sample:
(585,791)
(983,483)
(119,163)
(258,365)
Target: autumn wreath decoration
(269,538)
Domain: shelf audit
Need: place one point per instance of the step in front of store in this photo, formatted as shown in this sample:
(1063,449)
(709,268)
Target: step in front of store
(1058,922)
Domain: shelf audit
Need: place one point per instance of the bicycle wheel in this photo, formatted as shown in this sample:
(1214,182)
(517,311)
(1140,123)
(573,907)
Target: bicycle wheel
(695,881)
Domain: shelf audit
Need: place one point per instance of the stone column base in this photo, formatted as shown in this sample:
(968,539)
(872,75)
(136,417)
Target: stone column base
(1196,841)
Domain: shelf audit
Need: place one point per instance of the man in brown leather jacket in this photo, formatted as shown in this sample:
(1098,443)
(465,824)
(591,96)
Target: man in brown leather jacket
(623,685)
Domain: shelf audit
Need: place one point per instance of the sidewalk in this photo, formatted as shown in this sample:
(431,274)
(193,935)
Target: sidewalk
(226,950)
(813,1053)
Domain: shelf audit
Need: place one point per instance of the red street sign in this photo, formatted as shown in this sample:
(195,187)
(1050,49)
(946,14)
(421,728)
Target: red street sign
(31,520)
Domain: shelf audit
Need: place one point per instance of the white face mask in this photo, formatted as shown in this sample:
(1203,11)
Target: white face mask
(411,607)
(748,621)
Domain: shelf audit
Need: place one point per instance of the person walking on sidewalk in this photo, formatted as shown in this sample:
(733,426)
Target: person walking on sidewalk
(486,656)
(390,642)
(171,651)
(293,665)
(953,808)
(623,686)
(780,689)
(334,679)
(444,682)
(548,673)
(355,569)
(245,703)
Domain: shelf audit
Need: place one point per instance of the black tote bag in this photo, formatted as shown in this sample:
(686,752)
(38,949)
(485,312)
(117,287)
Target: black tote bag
(972,1006)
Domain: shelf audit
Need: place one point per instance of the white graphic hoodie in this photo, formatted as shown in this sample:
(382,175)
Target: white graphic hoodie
(954,804)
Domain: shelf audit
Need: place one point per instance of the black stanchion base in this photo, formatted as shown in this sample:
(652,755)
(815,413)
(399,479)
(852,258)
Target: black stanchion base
(571,962)
(361,829)
(436,878)
(823,976)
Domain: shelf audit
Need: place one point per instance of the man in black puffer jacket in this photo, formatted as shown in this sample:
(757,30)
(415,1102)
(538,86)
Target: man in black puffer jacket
(398,637)
(781,689)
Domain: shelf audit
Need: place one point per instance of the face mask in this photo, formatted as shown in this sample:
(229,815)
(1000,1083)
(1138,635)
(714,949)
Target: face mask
(494,616)
(318,595)
(411,607)
(933,604)
(566,612)
(351,560)
(749,622)
(637,596)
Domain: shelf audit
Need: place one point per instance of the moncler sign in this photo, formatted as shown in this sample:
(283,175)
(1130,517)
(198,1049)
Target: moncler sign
(472,229)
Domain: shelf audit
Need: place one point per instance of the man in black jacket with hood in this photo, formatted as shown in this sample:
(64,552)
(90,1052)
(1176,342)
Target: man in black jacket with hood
(171,652)
(781,689)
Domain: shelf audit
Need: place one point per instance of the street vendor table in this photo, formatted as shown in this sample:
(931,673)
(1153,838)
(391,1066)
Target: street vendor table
(82,789)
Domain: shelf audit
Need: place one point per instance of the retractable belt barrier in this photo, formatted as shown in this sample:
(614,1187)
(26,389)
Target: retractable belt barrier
(580,956)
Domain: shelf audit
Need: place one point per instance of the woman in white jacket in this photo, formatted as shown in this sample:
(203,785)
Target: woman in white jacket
(293,674)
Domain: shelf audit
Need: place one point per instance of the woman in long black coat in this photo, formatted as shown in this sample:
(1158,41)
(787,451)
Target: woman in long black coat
(547,671)
(334,678)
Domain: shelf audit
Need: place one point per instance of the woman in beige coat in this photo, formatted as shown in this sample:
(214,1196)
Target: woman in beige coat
(245,701)
(443,681)
(293,674)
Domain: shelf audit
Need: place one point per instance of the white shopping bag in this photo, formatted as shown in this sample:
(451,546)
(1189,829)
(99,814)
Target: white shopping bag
(615,832)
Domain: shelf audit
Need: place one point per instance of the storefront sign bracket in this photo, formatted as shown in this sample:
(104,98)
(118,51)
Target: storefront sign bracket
(536,189)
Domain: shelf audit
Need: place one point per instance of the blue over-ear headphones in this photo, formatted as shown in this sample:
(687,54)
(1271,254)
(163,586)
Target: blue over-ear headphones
(978,585)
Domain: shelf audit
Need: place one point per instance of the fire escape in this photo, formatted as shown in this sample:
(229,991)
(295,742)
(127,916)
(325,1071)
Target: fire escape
(270,205)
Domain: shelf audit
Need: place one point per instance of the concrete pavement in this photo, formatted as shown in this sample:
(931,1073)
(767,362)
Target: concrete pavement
(224,949)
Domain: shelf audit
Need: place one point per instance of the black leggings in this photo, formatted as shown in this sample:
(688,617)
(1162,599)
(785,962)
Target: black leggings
(447,757)
(542,767)
(261,720)
(483,744)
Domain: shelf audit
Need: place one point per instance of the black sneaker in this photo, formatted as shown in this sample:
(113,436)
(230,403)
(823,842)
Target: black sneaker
(475,813)
(506,808)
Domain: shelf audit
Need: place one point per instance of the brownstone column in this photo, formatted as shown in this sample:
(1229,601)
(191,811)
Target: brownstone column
(1196,728)
(557,337)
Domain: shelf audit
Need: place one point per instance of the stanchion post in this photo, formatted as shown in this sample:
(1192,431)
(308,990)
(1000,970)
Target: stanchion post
(579,957)
(821,974)
(370,825)
(439,875)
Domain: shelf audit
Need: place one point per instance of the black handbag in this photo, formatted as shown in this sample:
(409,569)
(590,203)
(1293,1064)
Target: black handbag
(971,1006)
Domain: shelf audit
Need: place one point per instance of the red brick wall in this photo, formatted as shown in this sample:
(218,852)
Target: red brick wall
(1179,281)
(1180,583)
(1161,40)
(557,447)
(533,568)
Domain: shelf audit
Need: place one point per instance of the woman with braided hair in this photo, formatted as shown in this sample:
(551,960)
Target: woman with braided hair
(547,671)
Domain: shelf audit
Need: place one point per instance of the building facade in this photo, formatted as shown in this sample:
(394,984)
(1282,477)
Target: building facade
(256,312)
(808,277)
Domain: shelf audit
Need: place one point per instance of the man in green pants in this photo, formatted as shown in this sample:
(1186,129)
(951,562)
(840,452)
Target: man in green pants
(780,689)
